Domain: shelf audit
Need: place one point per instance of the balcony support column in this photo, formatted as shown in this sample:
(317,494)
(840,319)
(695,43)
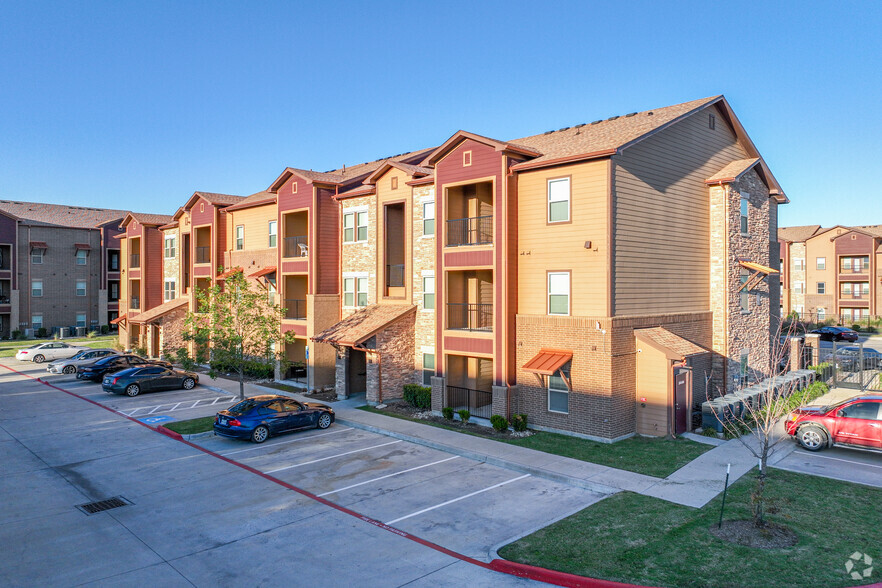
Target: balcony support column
(500,401)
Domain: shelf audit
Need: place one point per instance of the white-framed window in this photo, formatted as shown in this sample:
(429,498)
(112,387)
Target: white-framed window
(559,293)
(799,287)
(37,256)
(428,292)
(559,200)
(821,263)
(170,248)
(81,319)
(428,218)
(558,393)
(273,233)
(37,321)
(428,368)
(81,287)
(240,237)
(349,292)
(355,226)
(169,290)
(362,297)
(846,288)
(271,292)
(36,288)
(822,313)
(355,291)
(822,287)
(745,211)
(798,263)
(82,256)
(745,295)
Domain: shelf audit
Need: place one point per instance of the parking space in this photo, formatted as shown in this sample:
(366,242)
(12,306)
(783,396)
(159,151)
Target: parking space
(459,503)
(850,465)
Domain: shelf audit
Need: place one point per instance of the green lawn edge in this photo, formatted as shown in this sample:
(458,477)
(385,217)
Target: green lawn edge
(191,426)
(9,348)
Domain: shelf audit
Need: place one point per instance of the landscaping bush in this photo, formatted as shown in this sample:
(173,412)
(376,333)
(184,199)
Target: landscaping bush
(519,422)
(499,422)
(105,329)
(447,412)
(822,370)
(464,415)
(418,396)
(253,368)
(16,334)
(42,332)
(856,327)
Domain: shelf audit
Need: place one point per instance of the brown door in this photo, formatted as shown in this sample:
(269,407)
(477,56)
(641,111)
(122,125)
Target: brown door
(681,401)
(156,350)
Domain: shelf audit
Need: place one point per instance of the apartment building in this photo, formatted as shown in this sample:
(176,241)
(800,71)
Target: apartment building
(831,273)
(59,266)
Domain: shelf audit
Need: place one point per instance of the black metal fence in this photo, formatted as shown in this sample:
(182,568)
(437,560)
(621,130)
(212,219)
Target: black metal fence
(203,255)
(470,317)
(476,230)
(295,309)
(395,275)
(847,365)
(295,247)
(478,402)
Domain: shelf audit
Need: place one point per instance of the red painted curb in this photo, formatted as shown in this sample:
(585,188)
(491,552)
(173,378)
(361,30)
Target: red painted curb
(552,576)
(169,433)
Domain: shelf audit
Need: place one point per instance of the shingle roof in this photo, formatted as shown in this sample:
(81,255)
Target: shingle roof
(152,219)
(60,215)
(158,311)
(363,324)
(257,199)
(872,229)
(222,199)
(732,171)
(798,234)
(672,343)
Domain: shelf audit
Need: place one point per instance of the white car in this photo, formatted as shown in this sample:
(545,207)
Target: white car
(50,350)
(85,358)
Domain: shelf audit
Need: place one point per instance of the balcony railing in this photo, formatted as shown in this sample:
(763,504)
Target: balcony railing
(395,275)
(476,230)
(135,260)
(469,317)
(295,309)
(135,304)
(295,247)
(203,255)
(478,402)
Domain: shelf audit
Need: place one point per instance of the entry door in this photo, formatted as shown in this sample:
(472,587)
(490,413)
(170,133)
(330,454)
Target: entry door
(681,400)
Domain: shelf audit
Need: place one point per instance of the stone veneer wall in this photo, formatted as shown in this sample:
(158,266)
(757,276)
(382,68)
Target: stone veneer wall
(395,345)
(423,264)
(171,332)
(171,266)
(360,258)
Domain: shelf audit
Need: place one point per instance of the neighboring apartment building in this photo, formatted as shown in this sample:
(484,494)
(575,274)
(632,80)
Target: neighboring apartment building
(59,266)
(831,273)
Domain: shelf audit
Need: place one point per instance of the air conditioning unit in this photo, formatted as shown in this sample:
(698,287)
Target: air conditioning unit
(28,333)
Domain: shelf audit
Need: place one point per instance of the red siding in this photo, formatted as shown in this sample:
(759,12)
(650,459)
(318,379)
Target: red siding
(466,259)
(298,267)
(468,345)
(860,245)
(202,218)
(151,257)
(298,329)
(291,200)
(326,258)
(201,271)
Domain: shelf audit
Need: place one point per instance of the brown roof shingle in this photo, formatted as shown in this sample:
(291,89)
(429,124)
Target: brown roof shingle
(222,199)
(152,219)
(798,234)
(158,311)
(674,344)
(256,199)
(363,324)
(60,215)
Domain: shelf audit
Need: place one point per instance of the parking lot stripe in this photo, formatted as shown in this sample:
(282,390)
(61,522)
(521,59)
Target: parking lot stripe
(297,465)
(419,512)
(340,430)
(388,476)
(155,409)
(838,459)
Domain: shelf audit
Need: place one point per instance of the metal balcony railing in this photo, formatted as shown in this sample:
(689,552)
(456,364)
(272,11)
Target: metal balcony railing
(295,247)
(478,402)
(295,309)
(476,230)
(395,275)
(135,304)
(203,255)
(469,317)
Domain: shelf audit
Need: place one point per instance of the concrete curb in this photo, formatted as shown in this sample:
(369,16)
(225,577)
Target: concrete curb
(516,467)
(216,389)
(198,435)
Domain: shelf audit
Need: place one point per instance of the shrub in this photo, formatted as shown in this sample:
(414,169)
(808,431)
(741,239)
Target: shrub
(499,422)
(16,334)
(91,334)
(856,327)
(464,415)
(709,432)
(105,329)
(41,332)
(418,396)
(447,411)
(142,351)
(519,422)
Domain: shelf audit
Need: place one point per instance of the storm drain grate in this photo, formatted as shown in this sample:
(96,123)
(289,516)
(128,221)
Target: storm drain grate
(102,505)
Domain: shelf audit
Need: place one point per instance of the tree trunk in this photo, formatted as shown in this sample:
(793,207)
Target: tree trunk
(758,497)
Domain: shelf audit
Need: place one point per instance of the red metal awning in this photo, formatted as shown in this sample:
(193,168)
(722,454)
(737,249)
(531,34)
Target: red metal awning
(39,245)
(119,319)
(83,246)
(548,361)
(263,272)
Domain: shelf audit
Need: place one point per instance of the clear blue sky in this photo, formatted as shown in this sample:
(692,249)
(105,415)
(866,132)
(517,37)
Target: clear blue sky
(138,104)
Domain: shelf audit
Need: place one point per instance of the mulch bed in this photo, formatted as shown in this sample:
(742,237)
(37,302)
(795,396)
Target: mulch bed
(771,536)
(402,408)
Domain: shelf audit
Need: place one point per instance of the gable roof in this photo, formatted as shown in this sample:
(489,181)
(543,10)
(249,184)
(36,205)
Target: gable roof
(414,171)
(672,345)
(159,311)
(60,215)
(869,230)
(150,220)
(460,136)
(363,324)
(798,234)
(733,171)
(218,200)
(257,199)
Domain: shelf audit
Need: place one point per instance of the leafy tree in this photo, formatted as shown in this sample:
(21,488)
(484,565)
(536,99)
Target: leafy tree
(235,329)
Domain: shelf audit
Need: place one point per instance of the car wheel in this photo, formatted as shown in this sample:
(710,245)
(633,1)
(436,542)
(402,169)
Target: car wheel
(69,369)
(260,434)
(189,383)
(39,359)
(812,438)
(324,421)
(133,390)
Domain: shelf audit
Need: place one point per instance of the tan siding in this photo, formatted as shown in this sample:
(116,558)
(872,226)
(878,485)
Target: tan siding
(256,222)
(402,243)
(820,246)
(543,247)
(661,219)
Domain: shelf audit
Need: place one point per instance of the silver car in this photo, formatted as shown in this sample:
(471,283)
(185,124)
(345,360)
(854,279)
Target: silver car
(85,358)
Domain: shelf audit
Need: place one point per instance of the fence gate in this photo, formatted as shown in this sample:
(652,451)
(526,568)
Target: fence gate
(854,366)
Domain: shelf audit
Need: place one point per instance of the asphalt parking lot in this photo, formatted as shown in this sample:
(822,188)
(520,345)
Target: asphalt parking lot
(838,463)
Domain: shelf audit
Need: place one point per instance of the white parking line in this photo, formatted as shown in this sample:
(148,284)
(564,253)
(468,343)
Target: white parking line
(297,465)
(336,430)
(173,407)
(388,476)
(419,512)
(839,459)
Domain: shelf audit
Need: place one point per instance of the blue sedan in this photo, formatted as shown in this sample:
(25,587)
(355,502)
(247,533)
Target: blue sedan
(259,417)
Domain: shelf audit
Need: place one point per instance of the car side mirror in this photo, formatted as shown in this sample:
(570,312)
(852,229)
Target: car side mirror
(840,413)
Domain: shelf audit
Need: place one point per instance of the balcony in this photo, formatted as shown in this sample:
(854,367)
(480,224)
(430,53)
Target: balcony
(395,275)
(294,290)
(135,261)
(477,230)
(295,309)
(203,254)
(479,403)
(202,244)
(295,234)
(470,300)
(469,317)
(469,215)
(470,384)
(295,246)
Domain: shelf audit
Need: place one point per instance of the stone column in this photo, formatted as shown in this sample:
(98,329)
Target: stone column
(372,383)
(796,346)
(341,373)
(814,341)
(500,400)
(439,393)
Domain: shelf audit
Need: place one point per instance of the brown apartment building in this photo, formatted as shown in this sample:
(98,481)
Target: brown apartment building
(831,274)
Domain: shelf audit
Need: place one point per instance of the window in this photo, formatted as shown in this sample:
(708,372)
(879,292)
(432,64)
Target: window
(361,226)
(355,292)
(240,237)
(558,392)
(362,291)
(354,227)
(82,256)
(798,286)
(349,292)
(865,289)
(170,248)
(428,218)
(113,260)
(559,293)
(745,295)
(822,314)
(821,263)
(81,287)
(822,287)
(429,292)
(114,290)
(799,309)
(169,290)
(36,288)
(37,321)
(559,200)
(273,233)
(745,209)
(37,256)
(846,288)
(81,319)
(271,292)
(428,368)
(798,263)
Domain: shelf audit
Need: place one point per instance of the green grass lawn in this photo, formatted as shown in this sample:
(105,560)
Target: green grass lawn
(9,348)
(643,455)
(200,425)
(632,538)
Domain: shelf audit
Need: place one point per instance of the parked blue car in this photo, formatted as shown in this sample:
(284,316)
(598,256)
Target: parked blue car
(259,417)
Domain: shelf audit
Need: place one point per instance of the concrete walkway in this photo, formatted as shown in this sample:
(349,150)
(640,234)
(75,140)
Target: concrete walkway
(695,484)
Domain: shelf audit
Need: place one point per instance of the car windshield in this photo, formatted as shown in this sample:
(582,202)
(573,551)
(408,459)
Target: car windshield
(243,407)
(37,345)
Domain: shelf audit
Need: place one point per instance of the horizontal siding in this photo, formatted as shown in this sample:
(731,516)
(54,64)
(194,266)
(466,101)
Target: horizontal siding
(256,222)
(661,256)
(327,256)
